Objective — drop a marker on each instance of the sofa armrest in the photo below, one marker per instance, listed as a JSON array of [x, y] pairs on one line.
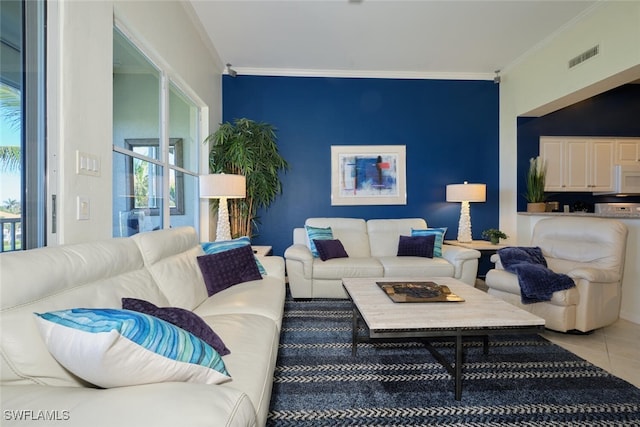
[[274, 265], [158, 405], [495, 258], [454, 253], [299, 261], [301, 254], [464, 261], [594, 275]]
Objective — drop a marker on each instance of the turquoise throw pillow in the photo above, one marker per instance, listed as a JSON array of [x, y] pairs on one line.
[[116, 348], [317, 233], [224, 245], [438, 232]]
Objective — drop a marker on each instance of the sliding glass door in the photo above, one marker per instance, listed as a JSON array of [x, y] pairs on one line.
[[22, 118]]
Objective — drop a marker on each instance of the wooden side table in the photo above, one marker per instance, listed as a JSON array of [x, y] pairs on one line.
[[486, 250]]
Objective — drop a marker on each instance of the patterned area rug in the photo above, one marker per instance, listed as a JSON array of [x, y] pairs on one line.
[[524, 380]]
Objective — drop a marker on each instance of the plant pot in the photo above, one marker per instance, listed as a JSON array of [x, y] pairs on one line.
[[494, 240], [536, 207]]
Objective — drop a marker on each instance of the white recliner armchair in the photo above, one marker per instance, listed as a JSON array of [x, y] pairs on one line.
[[589, 250]]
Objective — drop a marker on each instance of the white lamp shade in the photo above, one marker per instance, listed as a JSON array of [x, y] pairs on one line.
[[217, 185], [466, 192]]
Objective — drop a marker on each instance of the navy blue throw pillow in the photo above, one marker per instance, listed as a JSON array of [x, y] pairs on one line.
[[421, 246], [328, 249], [185, 319], [225, 269]]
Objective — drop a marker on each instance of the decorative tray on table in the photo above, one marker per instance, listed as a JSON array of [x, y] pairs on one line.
[[418, 292]]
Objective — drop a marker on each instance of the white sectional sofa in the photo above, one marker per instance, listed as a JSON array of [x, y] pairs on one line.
[[372, 248], [159, 267]]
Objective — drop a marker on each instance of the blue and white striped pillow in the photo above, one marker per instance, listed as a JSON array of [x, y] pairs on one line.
[[224, 245], [116, 348], [438, 232], [317, 233]]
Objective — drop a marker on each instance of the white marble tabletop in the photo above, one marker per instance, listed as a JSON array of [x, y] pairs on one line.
[[479, 310]]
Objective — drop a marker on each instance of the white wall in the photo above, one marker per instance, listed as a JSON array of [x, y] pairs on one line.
[[82, 87], [551, 84], [542, 82]]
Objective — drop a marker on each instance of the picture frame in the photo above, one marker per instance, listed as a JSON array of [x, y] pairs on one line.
[[368, 175]]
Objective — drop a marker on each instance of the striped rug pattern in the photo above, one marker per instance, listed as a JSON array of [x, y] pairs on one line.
[[524, 380]]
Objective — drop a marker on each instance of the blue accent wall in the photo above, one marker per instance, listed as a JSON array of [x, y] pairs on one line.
[[449, 128], [613, 113]]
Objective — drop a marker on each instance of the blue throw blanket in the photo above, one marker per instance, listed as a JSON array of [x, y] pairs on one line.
[[537, 282]]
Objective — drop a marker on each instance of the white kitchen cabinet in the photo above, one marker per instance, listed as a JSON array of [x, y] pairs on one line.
[[578, 164], [628, 151], [552, 151]]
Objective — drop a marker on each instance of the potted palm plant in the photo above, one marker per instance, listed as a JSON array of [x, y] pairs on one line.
[[535, 185], [248, 148]]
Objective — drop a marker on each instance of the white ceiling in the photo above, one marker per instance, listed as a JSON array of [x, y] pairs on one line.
[[381, 38]]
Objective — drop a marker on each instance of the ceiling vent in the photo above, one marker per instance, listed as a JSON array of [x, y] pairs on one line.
[[590, 53]]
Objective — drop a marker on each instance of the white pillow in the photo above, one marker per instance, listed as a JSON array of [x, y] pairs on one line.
[[116, 348]]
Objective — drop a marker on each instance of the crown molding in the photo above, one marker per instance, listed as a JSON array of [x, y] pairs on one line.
[[371, 74]]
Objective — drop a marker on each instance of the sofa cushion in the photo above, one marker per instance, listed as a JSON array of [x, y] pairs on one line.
[[395, 266], [185, 319], [421, 246], [225, 245], [317, 233], [117, 348], [384, 234], [263, 297], [170, 256], [329, 249], [352, 232], [507, 282], [254, 341], [438, 232], [589, 242], [225, 269], [338, 268]]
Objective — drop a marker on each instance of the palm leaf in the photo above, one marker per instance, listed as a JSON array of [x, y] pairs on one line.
[[248, 148]]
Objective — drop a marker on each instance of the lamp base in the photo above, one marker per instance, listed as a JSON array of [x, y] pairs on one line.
[[464, 225], [223, 228]]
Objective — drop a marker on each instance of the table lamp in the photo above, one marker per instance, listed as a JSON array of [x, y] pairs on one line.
[[466, 193], [223, 186]]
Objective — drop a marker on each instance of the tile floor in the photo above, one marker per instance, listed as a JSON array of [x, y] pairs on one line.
[[615, 348]]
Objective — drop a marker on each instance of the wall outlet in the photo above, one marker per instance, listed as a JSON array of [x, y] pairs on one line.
[[84, 208]]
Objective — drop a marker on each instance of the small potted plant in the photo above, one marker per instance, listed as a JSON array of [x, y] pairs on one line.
[[494, 235], [535, 185]]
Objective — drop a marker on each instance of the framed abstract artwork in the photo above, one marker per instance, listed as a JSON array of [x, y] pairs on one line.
[[368, 175]]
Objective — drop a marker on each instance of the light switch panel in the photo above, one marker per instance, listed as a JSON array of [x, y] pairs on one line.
[[87, 164]]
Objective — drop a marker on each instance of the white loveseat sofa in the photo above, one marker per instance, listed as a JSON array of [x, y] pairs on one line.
[[372, 248], [591, 251], [159, 267]]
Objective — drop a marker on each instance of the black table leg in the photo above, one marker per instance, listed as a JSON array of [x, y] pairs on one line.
[[458, 367], [354, 332]]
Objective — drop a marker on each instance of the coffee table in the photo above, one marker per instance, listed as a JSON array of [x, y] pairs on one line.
[[480, 315]]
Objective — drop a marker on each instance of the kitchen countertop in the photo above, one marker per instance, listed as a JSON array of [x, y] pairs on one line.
[[589, 214]]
